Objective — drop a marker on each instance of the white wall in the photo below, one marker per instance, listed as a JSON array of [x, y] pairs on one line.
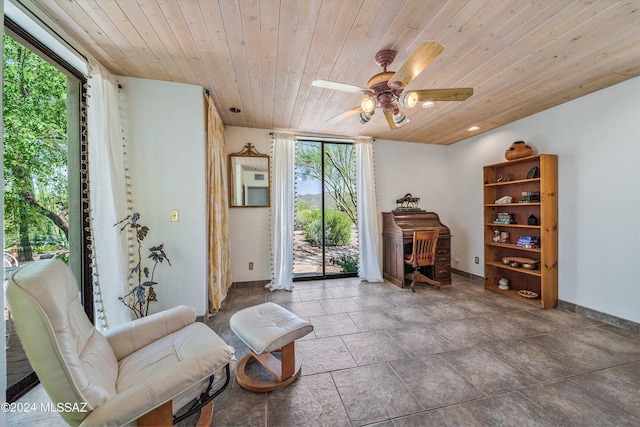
[[249, 228], [166, 156], [597, 140], [419, 169]]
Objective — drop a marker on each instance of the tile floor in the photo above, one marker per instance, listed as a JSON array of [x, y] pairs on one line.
[[459, 356]]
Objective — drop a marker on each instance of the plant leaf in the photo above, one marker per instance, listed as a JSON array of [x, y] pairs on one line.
[[134, 270], [140, 294], [152, 295], [142, 232]]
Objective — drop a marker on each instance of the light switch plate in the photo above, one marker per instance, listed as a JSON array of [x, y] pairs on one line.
[[175, 216]]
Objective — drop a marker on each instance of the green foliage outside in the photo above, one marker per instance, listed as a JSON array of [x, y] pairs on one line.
[[35, 151], [304, 216], [339, 173], [347, 262], [337, 227]]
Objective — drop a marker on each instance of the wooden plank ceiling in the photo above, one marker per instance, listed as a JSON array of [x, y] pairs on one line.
[[260, 56]]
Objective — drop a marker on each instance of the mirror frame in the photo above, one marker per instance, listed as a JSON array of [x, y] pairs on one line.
[[248, 151]]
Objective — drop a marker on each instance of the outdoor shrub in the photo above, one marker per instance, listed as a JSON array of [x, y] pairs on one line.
[[42, 248], [304, 217], [338, 229], [313, 232], [348, 262]]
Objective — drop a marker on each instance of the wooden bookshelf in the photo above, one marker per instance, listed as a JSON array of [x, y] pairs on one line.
[[510, 179]]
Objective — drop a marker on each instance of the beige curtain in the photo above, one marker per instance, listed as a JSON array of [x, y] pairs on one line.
[[219, 257]]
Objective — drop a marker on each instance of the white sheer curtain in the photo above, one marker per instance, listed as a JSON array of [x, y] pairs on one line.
[[282, 210], [368, 230], [108, 198]]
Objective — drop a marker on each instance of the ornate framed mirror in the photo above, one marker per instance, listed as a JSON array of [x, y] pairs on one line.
[[249, 180]]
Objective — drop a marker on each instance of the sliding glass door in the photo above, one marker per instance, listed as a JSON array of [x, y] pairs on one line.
[[43, 147], [326, 238]]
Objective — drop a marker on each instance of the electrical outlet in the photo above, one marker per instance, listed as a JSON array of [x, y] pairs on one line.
[[250, 266], [175, 216], [477, 260]]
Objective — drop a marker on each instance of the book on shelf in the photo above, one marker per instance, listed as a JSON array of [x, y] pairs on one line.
[[529, 197], [504, 218], [528, 242]]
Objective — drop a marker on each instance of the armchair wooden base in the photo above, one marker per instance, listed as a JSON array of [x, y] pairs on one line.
[[162, 416]]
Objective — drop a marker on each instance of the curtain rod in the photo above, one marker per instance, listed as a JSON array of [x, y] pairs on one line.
[[320, 138], [323, 139], [49, 28]]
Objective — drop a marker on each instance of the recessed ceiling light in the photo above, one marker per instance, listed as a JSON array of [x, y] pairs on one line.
[[234, 110], [428, 104], [473, 128]]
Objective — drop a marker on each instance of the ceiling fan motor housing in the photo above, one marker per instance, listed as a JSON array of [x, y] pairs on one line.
[[385, 95], [385, 57]]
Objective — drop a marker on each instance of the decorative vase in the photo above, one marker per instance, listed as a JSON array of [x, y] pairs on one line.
[[518, 150]]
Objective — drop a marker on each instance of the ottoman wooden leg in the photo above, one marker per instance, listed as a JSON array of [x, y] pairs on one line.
[[285, 370]]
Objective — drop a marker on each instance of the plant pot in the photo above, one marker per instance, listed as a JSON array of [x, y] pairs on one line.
[[517, 150]]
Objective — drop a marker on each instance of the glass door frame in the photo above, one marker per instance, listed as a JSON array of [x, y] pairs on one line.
[[79, 184], [303, 277]]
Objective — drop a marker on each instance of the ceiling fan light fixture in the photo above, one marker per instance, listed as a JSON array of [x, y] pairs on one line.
[[409, 99], [385, 90], [400, 119], [364, 117], [368, 105]]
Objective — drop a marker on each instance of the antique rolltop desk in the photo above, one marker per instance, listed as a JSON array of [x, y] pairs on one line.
[[397, 231]]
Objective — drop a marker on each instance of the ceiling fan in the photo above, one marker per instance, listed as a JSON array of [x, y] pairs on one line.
[[385, 90]]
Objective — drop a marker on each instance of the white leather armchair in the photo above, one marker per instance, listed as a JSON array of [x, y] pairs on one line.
[[141, 371]]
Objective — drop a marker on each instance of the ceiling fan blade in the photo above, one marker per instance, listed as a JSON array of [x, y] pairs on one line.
[[344, 115], [417, 62], [453, 94], [326, 84], [389, 115]]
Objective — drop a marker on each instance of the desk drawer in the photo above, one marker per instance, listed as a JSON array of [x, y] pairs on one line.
[[442, 271], [443, 259]]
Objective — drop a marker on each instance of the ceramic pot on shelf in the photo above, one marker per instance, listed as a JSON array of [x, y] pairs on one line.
[[518, 150]]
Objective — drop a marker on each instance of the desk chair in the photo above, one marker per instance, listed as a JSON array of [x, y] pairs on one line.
[[143, 371], [423, 255]]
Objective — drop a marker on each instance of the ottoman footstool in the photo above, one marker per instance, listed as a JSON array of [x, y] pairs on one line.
[[268, 328]]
